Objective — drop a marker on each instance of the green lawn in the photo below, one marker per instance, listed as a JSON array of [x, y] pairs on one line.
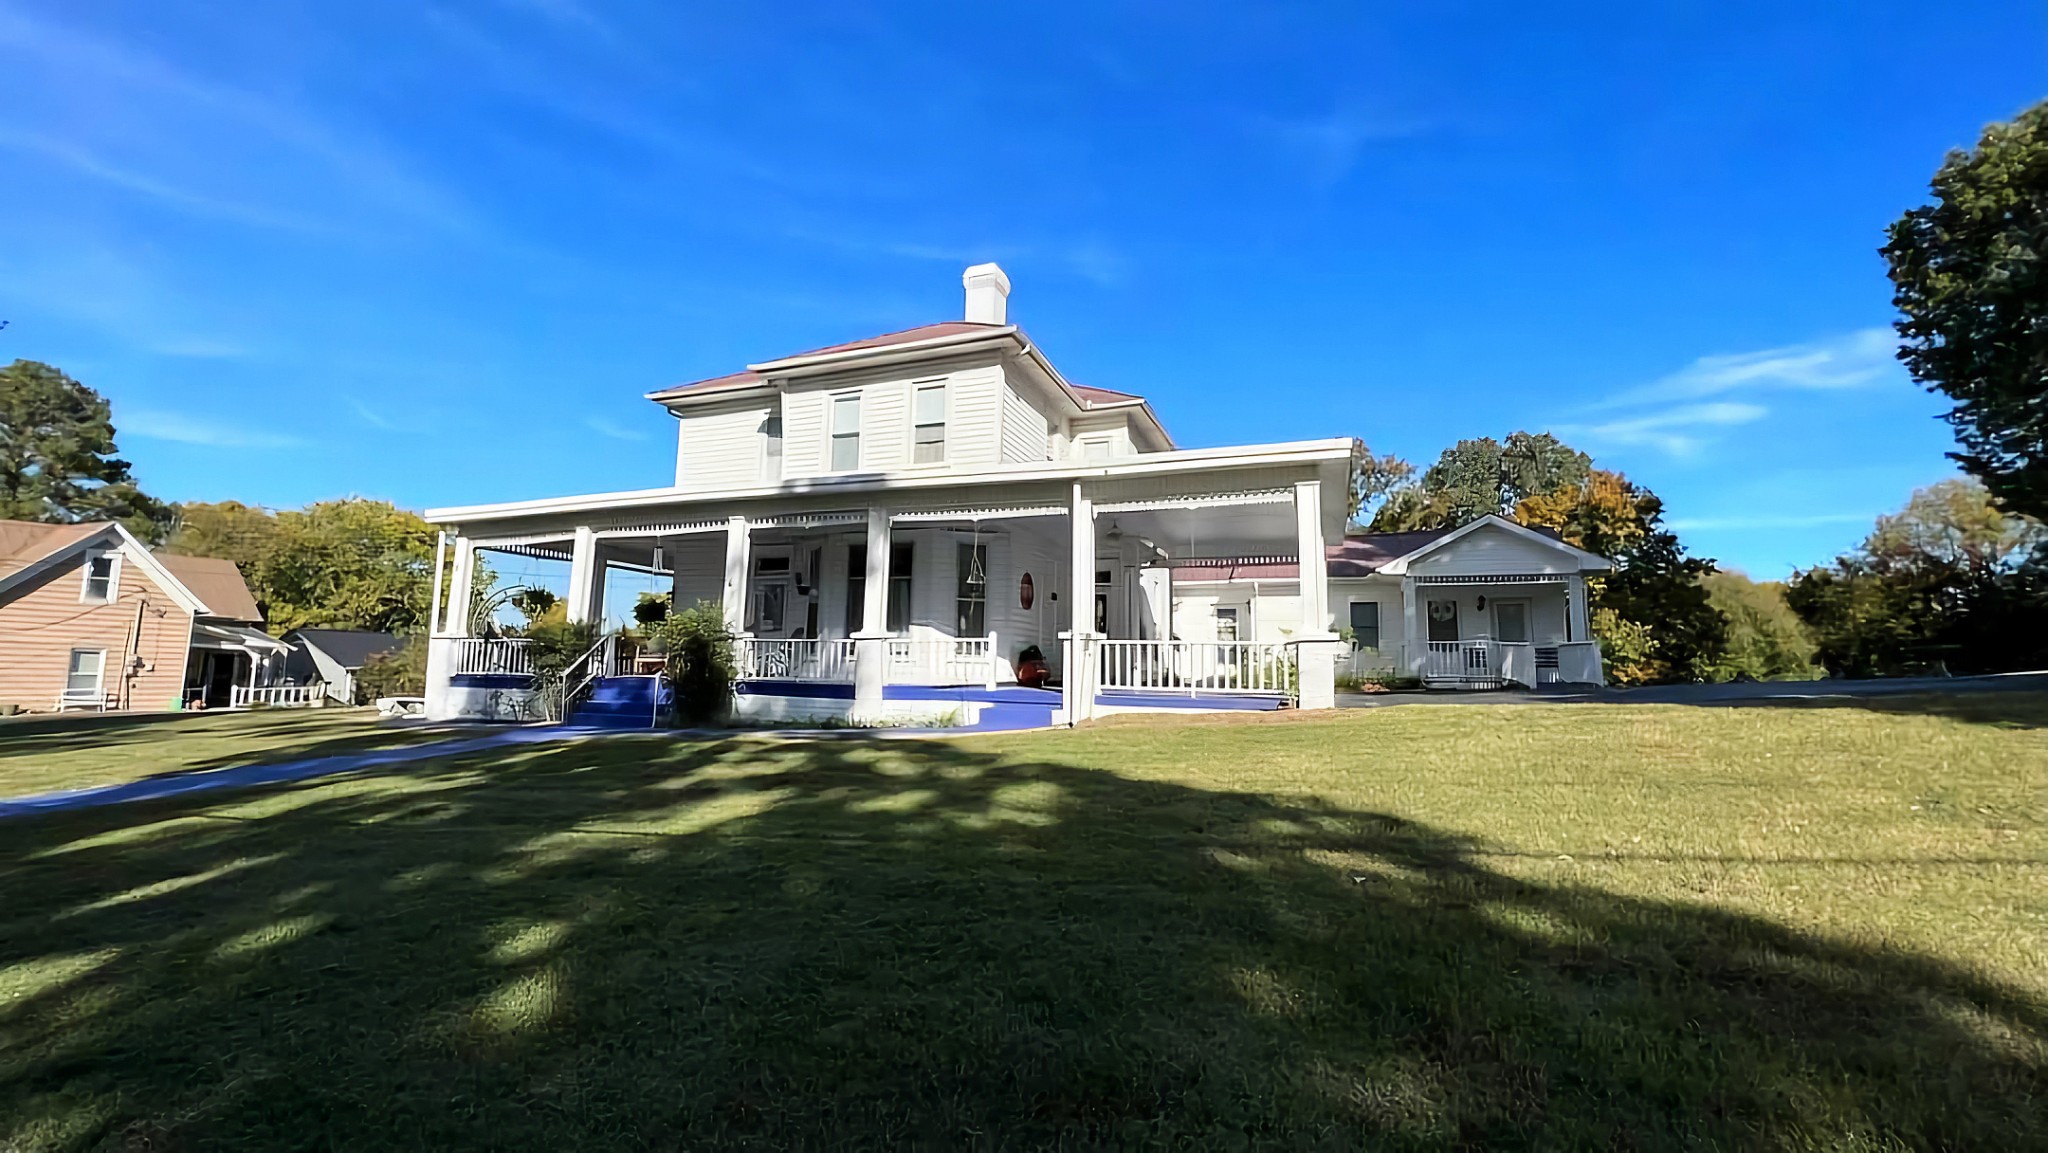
[[1568, 927], [40, 754]]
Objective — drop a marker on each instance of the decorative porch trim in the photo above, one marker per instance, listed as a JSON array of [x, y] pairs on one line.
[[809, 519], [669, 528], [1211, 500], [509, 543], [926, 516], [527, 550], [1230, 561], [1495, 579]]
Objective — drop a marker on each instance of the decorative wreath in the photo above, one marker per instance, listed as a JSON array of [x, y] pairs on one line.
[[1443, 610]]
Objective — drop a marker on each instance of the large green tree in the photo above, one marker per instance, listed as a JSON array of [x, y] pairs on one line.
[[1970, 274], [1655, 620], [1766, 639], [1950, 581], [351, 563], [58, 463], [1480, 476]]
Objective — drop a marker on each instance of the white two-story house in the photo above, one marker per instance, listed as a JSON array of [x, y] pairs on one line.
[[893, 525]]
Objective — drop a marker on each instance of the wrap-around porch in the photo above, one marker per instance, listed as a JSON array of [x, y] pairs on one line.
[[920, 603]]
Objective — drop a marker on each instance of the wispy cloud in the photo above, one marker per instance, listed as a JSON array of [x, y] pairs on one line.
[[1681, 414], [190, 428], [203, 130], [1858, 359], [1680, 431], [603, 427], [198, 348], [1331, 144]]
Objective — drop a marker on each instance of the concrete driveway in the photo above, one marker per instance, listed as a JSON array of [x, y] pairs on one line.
[[1712, 694]]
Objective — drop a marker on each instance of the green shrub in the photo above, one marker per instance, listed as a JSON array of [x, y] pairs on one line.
[[700, 662], [402, 672]]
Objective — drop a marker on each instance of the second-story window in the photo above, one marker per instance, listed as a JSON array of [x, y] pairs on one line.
[[928, 414], [101, 575], [771, 447], [846, 432]]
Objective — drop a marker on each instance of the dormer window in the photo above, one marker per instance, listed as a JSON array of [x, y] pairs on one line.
[[928, 414], [102, 577], [846, 432]]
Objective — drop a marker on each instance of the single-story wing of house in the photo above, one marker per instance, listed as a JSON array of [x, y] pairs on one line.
[[333, 657], [90, 618]]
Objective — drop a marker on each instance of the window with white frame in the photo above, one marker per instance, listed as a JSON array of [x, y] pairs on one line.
[[1095, 449], [928, 415], [771, 447], [86, 673], [102, 577], [1365, 624], [846, 432]]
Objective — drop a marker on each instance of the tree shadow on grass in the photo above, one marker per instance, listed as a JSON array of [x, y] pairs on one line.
[[644, 944]]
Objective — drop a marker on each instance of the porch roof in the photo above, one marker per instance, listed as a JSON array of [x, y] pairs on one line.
[[1326, 460], [211, 636]]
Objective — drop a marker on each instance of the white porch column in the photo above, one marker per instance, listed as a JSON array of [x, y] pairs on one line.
[[586, 577], [457, 622], [1578, 624], [434, 604], [1413, 652], [871, 643], [733, 595], [1077, 672], [1315, 645]]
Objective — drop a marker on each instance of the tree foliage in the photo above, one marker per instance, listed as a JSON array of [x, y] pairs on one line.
[[1673, 631], [1951, 581], [1373, 478], [1970, 274], [700, 660], [353, 563], [57, 455], [1766, 639], [1482, 476]]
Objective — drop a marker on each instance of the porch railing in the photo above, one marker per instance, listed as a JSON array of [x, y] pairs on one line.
[[278, 696], [482, 655], [1472, 662], [942, 661], [819, 659], [1197, 666]]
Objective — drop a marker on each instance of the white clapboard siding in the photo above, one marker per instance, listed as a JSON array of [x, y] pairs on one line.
[[1024, 435], [1493, 551], [699, 565], [720, 447]]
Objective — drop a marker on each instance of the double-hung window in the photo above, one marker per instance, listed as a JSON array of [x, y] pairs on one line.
[[102, 577], [928, 416], [972, 597], [82, 679], [846, 432], [900, 558], [1365, 624]]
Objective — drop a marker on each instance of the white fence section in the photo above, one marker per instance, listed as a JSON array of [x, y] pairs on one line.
[[805, 660], [279, 696], [1197, 666], [942, 661], [1471, 662], [479, 655]]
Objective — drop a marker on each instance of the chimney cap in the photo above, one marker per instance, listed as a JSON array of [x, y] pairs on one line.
[[991, 273]]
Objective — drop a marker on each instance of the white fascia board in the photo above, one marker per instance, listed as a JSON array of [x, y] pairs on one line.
[[1316, 452], [1588, 562]]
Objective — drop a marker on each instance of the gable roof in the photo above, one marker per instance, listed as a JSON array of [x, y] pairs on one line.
[[349, 648], [751, 376], [1367, 553], [217, 583], [23, 543]]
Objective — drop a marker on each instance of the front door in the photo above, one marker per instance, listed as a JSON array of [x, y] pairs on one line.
[[1443, 620], [1511, 622]]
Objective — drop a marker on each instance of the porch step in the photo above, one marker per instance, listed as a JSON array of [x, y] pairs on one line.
[[622, 703]]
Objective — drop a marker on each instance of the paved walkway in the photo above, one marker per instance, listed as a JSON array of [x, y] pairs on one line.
[[1717, 694]]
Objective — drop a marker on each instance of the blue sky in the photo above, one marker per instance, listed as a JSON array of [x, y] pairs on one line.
[[435, 253]]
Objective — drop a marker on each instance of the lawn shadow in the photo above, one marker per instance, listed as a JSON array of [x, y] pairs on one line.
[[2021, 708], [651, 944]]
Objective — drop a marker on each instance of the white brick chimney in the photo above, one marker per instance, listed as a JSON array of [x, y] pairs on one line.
[[988, 294]]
